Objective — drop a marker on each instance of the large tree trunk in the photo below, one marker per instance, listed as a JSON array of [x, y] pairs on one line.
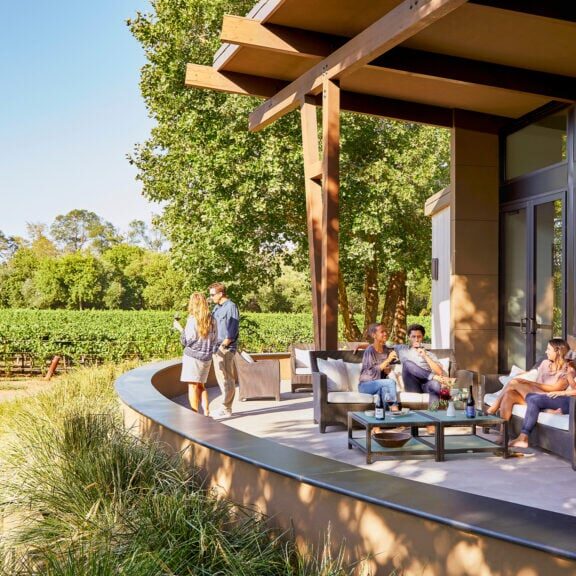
[[399, 326], [351, 331], [393, 290], [371, 299]]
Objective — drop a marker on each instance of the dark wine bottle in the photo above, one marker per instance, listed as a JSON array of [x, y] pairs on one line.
[[470, 407], [379, 408]]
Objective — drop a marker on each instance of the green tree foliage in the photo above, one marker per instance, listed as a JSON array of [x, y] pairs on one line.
[[8, 245], [124, 276], [80, 229], [290, 292], [235, 200], [16, 278], [139, 234], [232, 199]]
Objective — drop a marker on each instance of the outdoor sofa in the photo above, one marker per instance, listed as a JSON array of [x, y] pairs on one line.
[[331, 407], [555, 433]]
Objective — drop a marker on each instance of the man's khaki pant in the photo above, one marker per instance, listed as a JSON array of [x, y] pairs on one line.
[[223, 368]]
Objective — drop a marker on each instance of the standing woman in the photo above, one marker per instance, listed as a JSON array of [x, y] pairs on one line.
[[198, 339]]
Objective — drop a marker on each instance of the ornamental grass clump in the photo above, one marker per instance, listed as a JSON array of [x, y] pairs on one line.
[[86, 497]]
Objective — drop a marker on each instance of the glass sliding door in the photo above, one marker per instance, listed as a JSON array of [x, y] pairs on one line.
[[549, 273], [515, 294], [533, 278]]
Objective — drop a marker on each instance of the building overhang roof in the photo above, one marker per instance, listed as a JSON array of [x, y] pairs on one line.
[[502, 58]]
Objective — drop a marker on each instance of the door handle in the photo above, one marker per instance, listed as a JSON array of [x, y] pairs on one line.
[[523, 322]]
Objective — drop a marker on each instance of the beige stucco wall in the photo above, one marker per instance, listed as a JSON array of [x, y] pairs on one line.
[[474, 249]]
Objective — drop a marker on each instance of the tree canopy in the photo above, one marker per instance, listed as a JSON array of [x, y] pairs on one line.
[[235, 200], [81, 269]]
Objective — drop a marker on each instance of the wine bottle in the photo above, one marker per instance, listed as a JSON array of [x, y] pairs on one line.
[[470, 407], [379, 409]]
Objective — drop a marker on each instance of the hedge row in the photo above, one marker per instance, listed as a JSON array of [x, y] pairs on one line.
[[148, 335]]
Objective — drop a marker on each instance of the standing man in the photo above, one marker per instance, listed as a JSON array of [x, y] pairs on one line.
[[227, 320]]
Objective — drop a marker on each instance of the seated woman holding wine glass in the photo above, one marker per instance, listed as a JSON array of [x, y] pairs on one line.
[[376, 366], [551, 377], [558, 401]]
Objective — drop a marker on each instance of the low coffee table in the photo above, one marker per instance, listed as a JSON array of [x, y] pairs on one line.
[[414, 446], [439, 444], [470, 442]]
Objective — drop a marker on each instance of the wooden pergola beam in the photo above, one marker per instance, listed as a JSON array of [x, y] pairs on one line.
[[457, 70], [401, 23], [555, 9], [199, 76], [247, 32], [330, 214], [450, 69], [310, 152]]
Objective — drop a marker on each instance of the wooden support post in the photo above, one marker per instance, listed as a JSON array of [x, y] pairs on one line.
[[310, 145], [52, 369], [330, 220]]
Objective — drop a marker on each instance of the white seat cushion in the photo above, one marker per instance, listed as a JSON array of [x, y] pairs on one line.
[[560, 421], [304, 371], [349, 398], [302, 358], [413, 398]]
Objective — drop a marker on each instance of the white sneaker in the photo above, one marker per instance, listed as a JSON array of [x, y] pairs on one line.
[[222, 413]]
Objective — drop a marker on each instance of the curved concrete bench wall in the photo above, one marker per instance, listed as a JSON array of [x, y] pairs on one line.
[[404, 524]]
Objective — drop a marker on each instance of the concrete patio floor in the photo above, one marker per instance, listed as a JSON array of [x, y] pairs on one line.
[[533, 478]]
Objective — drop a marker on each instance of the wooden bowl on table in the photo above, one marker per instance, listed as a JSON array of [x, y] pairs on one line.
[[391, 438]]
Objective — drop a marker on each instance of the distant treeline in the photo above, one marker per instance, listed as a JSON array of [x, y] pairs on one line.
[[82, 262]]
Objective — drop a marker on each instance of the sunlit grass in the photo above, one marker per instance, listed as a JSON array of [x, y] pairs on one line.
[[85, 497]]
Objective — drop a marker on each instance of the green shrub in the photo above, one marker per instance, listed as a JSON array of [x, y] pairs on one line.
[[88, 498], [97, 336]]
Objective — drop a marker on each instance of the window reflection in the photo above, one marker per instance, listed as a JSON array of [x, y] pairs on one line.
[[539, 145]]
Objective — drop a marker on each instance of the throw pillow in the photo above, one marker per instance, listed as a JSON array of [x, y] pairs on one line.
[[353, 369], [514, 371], [302, 358], [247, 357], [445, 363], [336, 375]]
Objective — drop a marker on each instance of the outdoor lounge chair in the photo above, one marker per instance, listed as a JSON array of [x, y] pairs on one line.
[[257, 378]]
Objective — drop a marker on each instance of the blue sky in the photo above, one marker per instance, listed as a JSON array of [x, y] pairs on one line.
[[70, 111]]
